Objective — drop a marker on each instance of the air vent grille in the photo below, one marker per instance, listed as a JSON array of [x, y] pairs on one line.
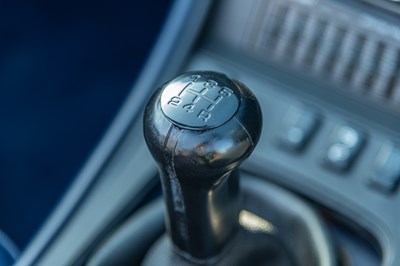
[[315, 39]]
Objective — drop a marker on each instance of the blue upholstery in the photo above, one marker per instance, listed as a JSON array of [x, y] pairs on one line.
[[65, 69]]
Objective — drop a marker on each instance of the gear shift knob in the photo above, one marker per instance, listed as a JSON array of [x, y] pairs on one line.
[[199, 127]]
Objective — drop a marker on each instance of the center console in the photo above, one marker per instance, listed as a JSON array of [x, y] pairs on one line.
[[326, 74]]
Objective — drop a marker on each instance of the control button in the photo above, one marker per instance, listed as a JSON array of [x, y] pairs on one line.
[[348, 136], [343, 146], [298, 126], [386, 172], [339, 153]]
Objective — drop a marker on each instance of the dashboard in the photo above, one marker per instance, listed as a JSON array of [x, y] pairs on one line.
[[327, 76]]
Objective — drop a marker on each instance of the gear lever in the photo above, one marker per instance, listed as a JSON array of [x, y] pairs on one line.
[[199, 127]]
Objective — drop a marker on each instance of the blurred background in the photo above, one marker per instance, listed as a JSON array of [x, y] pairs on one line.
[[65, 69]]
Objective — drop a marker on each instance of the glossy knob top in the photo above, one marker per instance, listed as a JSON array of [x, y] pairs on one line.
[[199, 127], [200, 101]]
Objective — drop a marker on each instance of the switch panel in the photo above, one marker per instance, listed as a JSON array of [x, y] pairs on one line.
[[343, 146], [386, 172], [298, 126]]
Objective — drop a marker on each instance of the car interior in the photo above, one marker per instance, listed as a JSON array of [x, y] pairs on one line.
[[282, 146]]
